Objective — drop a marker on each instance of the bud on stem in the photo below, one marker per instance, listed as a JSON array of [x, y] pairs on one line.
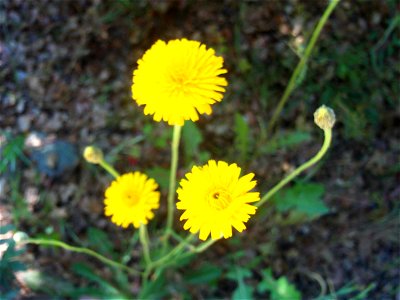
[[324, 117], [93, 155]]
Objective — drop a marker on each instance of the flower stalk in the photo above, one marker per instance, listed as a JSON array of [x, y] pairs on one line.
[[324, 117], [112, 263], [301, 65], [106, 166], [144, 240], [95, 156], [172, 181]]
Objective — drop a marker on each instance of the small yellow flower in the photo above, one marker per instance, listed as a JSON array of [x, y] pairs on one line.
[[130, 198], [178, 80], [215, 199]]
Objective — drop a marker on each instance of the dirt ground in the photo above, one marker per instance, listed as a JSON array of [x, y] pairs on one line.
[[66, 70]]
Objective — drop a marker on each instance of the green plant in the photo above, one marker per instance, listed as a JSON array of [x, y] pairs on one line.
[[229, 197], [192, 139], [303, 200], [279, 289], [243, 139], [9, 264], [11, 151]]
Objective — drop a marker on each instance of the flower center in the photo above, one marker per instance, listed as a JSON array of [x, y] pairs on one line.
[[131, 199], [180, 80], [219, 199]]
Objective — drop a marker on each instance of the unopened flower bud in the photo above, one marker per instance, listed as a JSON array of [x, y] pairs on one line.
[[93, 154], [20, 237], [324, 117]]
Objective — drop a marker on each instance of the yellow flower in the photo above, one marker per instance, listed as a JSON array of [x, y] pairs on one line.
[[178, 80], [215, 198], [130, 199]]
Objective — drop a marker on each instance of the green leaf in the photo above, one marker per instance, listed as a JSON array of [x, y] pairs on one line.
[[154, 289], [100, 241], [160, 175], [192, 138], [286, 140], [267, 283], [243, 290], [279, 289], [10, 152], [158, 137], [285, 290], [85, 271], [207, 273], [305, 198]]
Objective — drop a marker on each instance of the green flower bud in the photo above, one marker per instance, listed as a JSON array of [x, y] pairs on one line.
[[93, 155], [324, 117]]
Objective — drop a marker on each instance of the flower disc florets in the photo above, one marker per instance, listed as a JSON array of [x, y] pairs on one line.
[[178, 80], [215, 198], [130, 199]]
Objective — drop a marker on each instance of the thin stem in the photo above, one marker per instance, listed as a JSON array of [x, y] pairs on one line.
[[172, 181], [144, 240], [109, 168], [204, 246], [81, 250], [180, 239], [299, 69], [173, 252], [198, 249], [306, 165]]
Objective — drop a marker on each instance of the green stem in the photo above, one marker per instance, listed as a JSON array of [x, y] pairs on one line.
[[306, 165], [176, 236], [204, 246], [173, 252], [172, 181], [198, 249], [299, 69], [144, 239], [109, 168], [80, 250]]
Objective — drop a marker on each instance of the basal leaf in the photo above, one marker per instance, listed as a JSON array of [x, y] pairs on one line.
[[206, 274], [303, 197]]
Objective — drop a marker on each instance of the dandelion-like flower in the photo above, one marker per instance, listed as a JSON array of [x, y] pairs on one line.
[[178, 80], [215, 199], [130, 199]]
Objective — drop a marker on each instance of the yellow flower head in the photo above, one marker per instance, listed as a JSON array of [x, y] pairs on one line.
[[178, 80], [130, 199], [215, 198]]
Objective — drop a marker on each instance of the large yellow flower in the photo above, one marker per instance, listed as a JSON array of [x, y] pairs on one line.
[[215, 199], [178, 80], [130, 198]]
